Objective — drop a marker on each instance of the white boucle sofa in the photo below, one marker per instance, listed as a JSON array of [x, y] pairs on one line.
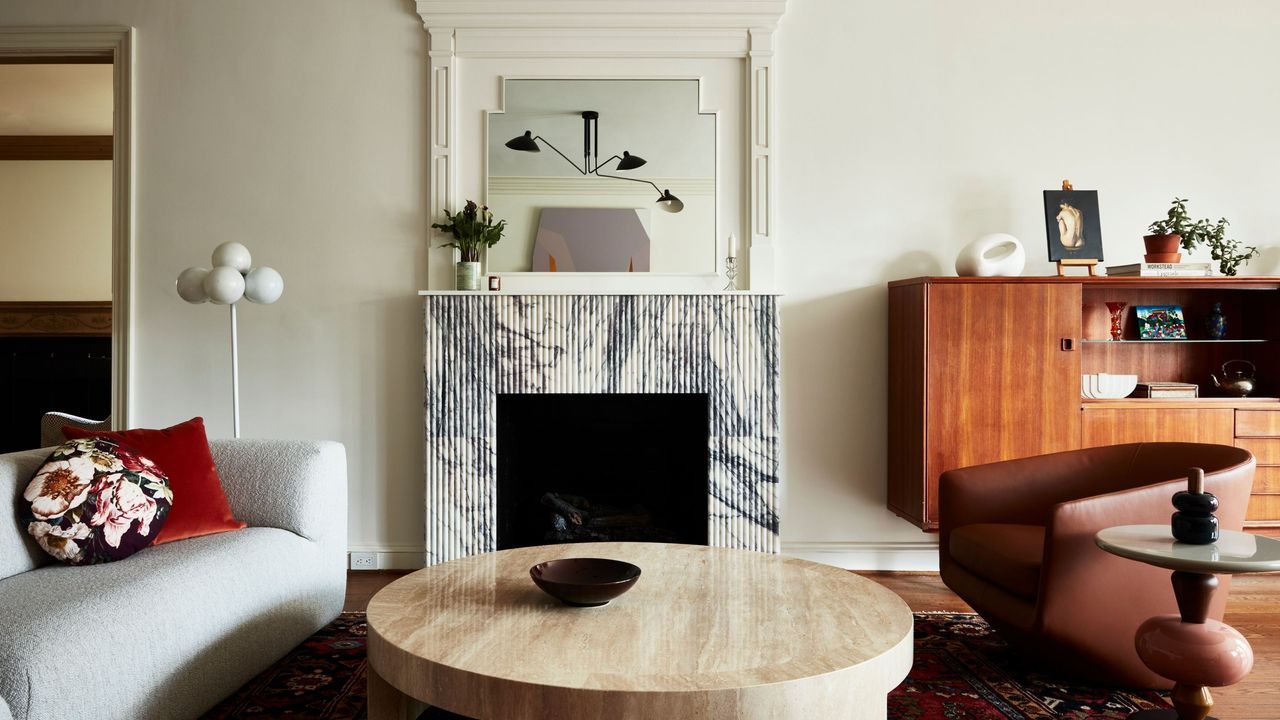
[[175, 628]]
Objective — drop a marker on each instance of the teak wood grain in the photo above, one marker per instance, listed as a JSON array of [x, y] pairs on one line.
[[1001, 382], [1263, 508], [962, 328], [1257, 423], [1266, 480], [705, 633], [907, 385], [1266, 450], [1107, 426]]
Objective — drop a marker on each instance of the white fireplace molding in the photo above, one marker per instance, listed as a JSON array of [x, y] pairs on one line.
[[478, 346], [492, 39]]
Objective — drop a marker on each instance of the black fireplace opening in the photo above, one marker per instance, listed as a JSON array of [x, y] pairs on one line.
[[602, 467]]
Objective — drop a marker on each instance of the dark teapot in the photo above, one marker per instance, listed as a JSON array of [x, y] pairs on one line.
[[1236, 383]]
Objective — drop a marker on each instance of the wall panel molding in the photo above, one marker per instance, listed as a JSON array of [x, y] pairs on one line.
[[70, 319]]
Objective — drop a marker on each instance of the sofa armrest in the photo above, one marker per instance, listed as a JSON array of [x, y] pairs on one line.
[[4, 710], [294, 485]]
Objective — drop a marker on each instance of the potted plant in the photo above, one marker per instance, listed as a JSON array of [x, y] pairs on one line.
[[1176, 228], [473, 231]]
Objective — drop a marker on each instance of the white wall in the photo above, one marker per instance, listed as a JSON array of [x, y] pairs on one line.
[[905, 130], [908, 129], [296, 127], [52, 99], [55, 230]]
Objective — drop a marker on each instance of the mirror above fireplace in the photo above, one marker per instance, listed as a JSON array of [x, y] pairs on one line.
[[479, 48], [604, 175]]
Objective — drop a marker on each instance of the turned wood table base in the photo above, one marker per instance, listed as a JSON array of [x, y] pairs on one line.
[[1193, 650], [1158, 648]]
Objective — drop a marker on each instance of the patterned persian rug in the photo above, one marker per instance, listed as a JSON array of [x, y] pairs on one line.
[[962, 671]]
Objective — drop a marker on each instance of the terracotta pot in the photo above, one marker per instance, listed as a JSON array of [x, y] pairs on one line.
[[1163, 258], [1162, 244]]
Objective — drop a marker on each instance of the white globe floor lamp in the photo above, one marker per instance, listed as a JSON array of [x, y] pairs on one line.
[[232, 277]]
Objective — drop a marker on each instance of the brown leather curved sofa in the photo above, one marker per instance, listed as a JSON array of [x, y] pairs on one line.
[[1016, 543]]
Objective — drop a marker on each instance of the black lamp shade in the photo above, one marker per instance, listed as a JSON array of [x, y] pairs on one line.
[[630, 162], [525, 143], [670, 203]]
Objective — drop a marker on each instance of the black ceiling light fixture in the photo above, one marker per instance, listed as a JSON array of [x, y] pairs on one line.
[[591, 164]]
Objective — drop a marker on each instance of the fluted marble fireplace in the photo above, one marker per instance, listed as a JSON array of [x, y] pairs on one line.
[[482, 345]]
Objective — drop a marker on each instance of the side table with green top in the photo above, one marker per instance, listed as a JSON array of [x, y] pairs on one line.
[[1194, 651]]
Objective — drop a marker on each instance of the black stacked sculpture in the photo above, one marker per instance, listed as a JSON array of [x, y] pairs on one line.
[[1195, 523]]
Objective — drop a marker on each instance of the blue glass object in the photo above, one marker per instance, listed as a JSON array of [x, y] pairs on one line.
[[1217, 323]]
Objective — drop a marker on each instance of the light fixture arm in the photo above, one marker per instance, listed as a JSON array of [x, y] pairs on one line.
[[566, 157], [597, 173]]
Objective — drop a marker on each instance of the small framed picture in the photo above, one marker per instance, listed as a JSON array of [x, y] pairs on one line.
[[1161, 322], [1074, 229]]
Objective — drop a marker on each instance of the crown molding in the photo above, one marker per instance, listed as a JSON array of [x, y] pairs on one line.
[[623, 14]]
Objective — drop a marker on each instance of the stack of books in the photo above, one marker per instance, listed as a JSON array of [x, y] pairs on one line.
[[1167, 390], [1195, 269]]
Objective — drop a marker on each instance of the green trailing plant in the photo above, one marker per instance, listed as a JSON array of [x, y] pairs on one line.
[[1231, 254], [473, 230]]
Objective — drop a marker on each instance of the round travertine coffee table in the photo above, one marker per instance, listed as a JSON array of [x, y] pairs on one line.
[[1193, 650], [706, 633]]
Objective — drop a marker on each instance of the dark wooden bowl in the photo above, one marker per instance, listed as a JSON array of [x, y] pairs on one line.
[[584, 582]]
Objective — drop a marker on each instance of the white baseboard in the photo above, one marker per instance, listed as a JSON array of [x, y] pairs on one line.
[[393, 557], [890, 556]]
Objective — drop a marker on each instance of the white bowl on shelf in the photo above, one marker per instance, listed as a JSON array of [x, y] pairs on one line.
[[1103, 386]]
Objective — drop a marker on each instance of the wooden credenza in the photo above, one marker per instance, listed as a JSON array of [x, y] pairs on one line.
[[988, 369]]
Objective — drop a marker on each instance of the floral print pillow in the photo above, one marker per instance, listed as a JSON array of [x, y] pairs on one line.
[[95, 501]]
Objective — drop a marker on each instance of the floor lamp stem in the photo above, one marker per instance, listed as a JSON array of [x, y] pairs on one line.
[[235, 376]]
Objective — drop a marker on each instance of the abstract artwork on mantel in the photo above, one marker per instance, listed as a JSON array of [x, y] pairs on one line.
[[591, 240]]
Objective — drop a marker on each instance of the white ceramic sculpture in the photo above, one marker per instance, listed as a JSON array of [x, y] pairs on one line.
[[995, 255], [1102, 386]]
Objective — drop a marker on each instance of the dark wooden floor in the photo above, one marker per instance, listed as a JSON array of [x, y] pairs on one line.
[[1253, 608]]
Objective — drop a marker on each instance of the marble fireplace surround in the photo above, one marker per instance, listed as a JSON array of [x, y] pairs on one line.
[[480, 345]]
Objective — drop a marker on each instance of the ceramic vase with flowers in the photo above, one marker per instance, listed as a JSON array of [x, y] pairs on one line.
[[473, 231]]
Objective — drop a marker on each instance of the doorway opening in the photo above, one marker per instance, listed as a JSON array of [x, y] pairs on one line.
[[65, 188]]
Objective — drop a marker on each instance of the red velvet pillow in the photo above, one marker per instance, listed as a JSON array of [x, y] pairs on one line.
[[182, 452]]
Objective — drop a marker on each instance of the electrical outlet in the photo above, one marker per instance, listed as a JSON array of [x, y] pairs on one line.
[[364, 561]]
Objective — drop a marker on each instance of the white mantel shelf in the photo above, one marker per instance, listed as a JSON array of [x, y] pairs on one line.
[[618, 293]]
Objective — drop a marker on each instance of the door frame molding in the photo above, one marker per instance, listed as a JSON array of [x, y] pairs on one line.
[[117, 44]]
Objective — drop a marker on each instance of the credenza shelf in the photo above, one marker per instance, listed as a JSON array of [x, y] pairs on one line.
[[989, 369], [1170, 342]]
